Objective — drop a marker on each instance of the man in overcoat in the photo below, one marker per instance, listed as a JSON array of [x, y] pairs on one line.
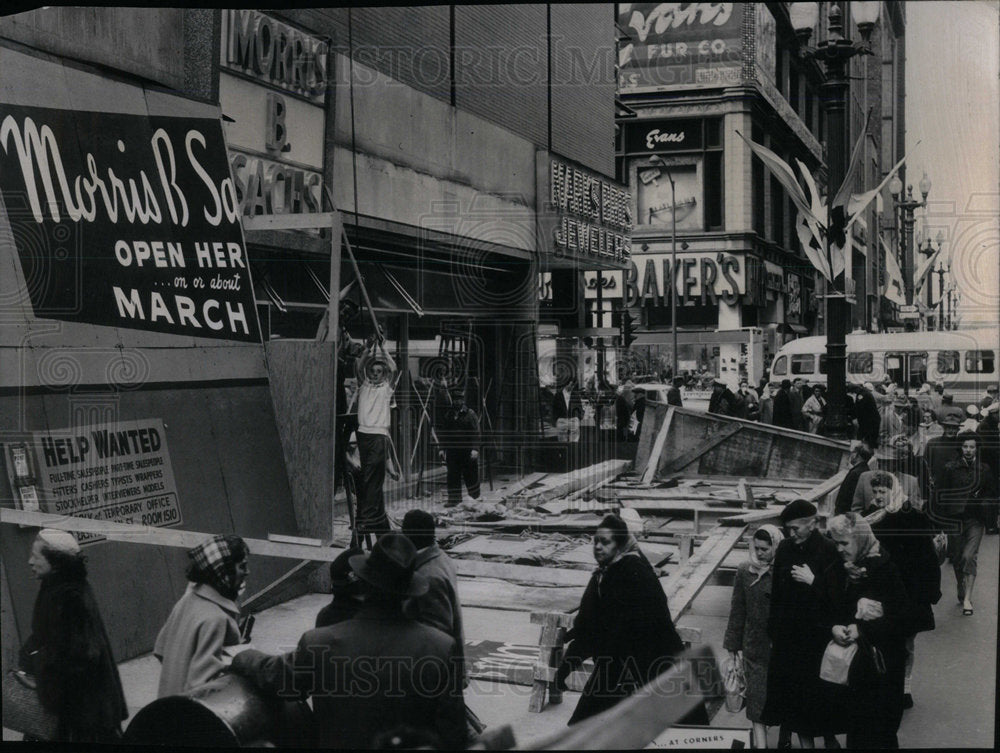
[[378, 672], [797, 644]]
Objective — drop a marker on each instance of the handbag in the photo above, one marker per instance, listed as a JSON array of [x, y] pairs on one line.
[[836, 664], [22, 708], [735, 687], [941, 547]]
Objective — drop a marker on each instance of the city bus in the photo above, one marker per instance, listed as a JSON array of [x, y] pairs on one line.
[[965, 361]]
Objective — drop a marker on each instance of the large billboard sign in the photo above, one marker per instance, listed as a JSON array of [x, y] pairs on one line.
[[679, 44], [127, 220]]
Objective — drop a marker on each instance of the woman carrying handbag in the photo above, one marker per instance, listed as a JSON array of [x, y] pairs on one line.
[[68, 656]]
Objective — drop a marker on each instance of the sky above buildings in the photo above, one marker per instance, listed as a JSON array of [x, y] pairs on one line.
[[953, 108]]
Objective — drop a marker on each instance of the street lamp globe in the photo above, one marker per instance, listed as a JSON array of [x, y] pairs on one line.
[[895, 186], [865, 15], [804, 17], [925, 186]]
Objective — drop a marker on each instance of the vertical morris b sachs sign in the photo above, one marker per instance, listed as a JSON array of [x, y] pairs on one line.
[[127, 220]]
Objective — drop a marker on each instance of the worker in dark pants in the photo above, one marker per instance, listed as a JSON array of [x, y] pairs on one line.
[[377, 375], [458, 435]]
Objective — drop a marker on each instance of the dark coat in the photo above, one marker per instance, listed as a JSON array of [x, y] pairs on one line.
[[746, 631], [797, 400], [872, 707], [782, 414], [440, 606], [70, 655], [339, 609], [937, 454], [869, 419], [968, 492], [625, 627], [908, 537], [725, 403], [623, 415], [797, 641], [674, 397], [458, 430], [369, 674], [845, 495], [561, 410]]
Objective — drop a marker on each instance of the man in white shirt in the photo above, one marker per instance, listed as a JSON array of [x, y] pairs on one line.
[[377, 381]]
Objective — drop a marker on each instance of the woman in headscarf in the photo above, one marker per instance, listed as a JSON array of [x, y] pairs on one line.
[[623, 624], [747, 629], [204, 620], [68, 652], [907, 535], [864, 603]]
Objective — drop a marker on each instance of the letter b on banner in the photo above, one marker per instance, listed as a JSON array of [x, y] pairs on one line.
[[277, 132]]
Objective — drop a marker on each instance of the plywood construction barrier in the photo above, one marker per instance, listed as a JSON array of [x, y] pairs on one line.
[[679, 440]]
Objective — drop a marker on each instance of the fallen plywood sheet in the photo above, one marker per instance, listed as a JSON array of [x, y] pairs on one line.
[[736, 447], [684, 585], [492, 593], [562, 484], [546, 576]]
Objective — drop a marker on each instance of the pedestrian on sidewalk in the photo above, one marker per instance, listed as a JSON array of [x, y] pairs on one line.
[[864, 603], [814, 409], [458, 434], [969, 498], [941, 450], [377, 375], [896, 458], [858, 463], [204, 620], [794, 699], [746, 633], [377, 672], [906, 533], [623, 624], [723, 402], [567, 410], [798, 395], [783, 411], [346, 590], [867, 414], [68, 652], [440, 607]]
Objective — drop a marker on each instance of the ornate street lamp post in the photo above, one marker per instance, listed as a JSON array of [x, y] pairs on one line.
[[928, 249], [904, 209], [834, 52], [942, 269]]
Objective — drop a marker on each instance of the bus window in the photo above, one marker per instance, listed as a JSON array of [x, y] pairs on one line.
[[822, 363], [803, 363], [779, 367], [917, 368], [947, 362], [894, 367], [861, 363], [979, 361]]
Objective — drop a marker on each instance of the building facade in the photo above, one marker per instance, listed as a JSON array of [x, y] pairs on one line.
[[695, 81], [187, 283]]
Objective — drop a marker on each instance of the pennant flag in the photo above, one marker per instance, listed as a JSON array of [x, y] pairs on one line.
[[894, 288], [858, 202], [923, 271], [781, 170], [841, 198], [812, 244]]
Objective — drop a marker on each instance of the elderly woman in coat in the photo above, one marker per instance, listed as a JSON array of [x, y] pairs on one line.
[[623, 625], [747, 628], [204, 620], [907, 534], [68, 651], [864, 603]]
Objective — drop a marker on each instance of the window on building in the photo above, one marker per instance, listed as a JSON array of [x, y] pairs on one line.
[[947, 362], [809, 108], [779, 65], [713, 191], [979, 361], [860, 363], [793, 88], [780, 366], [777, 212], [822, 363], [803, 363]]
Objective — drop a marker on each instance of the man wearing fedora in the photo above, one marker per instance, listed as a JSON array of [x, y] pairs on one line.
[[940, 451], [376, 383], [378, 671], [458, 435]]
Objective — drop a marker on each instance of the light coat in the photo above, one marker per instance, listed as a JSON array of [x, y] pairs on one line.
[[190, 643]]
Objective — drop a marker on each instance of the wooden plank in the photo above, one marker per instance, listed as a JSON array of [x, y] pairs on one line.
[[679, 505], [684, 460], [137, 534], [684, 585], [654, 454], [564, 483], [519, 486], [283, 539], [780, 431], [491, 593], [639, 719], [289, 221], [550, 576]]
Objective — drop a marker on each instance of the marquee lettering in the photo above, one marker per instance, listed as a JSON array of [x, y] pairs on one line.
[[675, 15]]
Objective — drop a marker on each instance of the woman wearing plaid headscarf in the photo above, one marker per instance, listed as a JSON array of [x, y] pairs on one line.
[[203, 622]]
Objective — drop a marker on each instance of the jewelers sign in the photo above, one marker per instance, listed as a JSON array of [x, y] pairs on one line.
[[583, 218], [128, 220], [116, 471]]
